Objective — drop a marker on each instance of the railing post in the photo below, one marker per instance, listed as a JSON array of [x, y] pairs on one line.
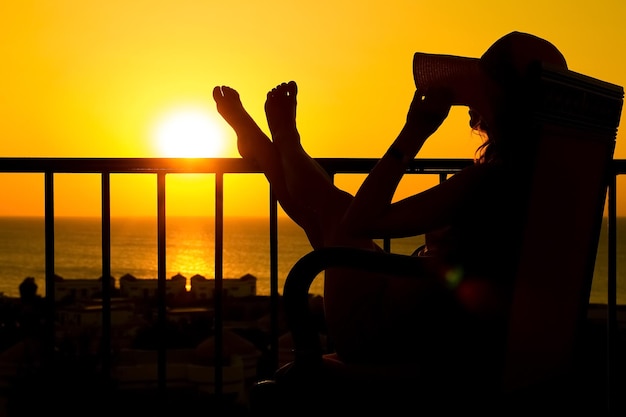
[[218, 296], [161, 290], [611, 302], [106, 276], [274, 294], [49, 262]]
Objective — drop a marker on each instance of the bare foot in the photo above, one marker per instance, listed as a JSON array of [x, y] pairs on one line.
[[280, 109], [249, 134]]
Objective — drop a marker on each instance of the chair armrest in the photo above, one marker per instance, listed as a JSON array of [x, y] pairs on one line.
[[300, 320]]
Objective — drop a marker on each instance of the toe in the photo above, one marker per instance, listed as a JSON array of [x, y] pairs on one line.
[[293, 87], [217, 93]]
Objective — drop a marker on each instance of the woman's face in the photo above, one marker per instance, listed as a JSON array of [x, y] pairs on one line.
[[477, 121], [485, 105], [475, 118], [481, 104]]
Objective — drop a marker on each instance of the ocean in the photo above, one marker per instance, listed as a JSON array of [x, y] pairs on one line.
[[190, 250]]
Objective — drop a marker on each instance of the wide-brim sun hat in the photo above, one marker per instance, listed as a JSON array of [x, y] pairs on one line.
[[505, 62]]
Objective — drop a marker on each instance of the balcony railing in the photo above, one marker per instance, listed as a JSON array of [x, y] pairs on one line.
[[221, 167]]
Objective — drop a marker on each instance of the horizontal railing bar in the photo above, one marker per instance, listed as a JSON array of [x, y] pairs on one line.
[[205, 165], [221, 165], [126, 165]]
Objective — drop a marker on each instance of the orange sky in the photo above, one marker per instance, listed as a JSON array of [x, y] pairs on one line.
[[94, 79]]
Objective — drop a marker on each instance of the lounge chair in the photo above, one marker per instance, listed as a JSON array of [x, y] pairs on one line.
[[576, 119]]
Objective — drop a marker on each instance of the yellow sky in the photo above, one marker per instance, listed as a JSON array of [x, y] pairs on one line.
[[94, 78]]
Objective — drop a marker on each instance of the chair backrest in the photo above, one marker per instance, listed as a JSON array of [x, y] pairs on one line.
[[577, 119]]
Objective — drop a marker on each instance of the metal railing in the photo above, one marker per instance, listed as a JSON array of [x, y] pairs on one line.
[[221, 167]]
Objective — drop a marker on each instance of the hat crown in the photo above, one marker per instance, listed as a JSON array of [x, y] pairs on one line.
[[515, 52]]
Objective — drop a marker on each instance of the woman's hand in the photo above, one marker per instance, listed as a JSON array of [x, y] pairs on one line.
[[428, 111]]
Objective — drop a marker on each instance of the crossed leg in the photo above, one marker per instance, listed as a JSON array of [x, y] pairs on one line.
[[253, 144], [355, 301], [305, 179], [303, 188]]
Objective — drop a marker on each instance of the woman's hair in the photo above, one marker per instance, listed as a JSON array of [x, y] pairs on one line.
[[484, 153], [506, 139]]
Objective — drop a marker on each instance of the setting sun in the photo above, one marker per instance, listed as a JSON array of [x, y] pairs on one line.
[[188, 132]]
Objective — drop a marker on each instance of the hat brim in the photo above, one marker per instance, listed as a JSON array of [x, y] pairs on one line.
[[460, 76]]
